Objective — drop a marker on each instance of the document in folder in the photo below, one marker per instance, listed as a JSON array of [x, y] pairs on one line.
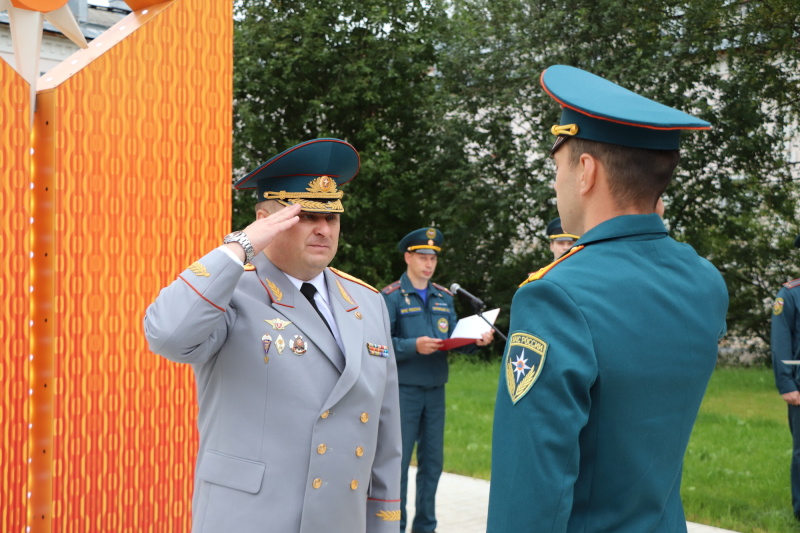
[[469, 329]]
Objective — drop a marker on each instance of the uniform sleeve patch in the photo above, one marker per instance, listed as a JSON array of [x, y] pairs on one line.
[[524, 360], [777, 307]]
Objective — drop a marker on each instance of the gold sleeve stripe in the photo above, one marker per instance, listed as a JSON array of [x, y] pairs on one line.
[[389, 516]]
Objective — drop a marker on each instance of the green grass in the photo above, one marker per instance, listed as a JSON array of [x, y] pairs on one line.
[[736, 472]]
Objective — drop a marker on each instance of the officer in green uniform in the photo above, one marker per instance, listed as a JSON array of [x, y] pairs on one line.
[[785, 346], [421, 314], [560, 241], [611, 347]]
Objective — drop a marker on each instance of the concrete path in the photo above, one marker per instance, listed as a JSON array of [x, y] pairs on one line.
[[462, 502]]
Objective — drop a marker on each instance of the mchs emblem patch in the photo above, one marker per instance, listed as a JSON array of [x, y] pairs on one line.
[[524, 360]]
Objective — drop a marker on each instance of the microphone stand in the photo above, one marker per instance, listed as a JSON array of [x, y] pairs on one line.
[[480, 314]]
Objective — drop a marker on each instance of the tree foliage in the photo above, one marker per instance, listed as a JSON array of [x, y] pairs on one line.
[[442, 100]]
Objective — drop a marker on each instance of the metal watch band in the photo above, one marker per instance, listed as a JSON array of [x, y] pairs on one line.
[[241, 238]]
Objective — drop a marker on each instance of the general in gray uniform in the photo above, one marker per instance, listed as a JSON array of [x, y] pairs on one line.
[[296, 377]]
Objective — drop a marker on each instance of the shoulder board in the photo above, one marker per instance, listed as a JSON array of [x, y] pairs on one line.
[[539, 274], [445, 289], [792, 284], [249, 268], [390, 288], [353, 279]]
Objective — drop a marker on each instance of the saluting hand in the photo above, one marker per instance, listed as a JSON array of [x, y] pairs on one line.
[[265, 228]]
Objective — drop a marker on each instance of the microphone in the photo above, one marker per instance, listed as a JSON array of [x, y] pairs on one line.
[[455, 288]]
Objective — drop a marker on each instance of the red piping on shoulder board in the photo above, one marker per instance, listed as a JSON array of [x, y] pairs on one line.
[[792, 284], [390, 288]]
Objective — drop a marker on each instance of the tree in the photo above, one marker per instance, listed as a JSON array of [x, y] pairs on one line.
[[735, 64], [358, 70], [443, 102]]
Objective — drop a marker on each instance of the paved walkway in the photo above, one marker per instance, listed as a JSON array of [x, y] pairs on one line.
[[461, 505]]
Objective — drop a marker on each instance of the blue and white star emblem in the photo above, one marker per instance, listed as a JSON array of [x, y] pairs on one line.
[[520, 365], [524, 367]]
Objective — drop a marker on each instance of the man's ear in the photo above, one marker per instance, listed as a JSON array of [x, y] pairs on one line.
[[590, 168]]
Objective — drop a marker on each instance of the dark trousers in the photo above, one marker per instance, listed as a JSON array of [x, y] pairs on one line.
[[422, 412], [794, 426]]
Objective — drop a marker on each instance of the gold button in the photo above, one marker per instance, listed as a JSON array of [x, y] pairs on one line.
[[325, 414], [317, 483], [359, 451], [354, 484], [364, 418], [359, 315], [321, 449]]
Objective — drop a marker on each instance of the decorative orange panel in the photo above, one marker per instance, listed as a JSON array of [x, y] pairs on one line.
[[15, 213], [141, 177]]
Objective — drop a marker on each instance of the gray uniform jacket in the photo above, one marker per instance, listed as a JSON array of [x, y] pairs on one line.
[[289, 441]]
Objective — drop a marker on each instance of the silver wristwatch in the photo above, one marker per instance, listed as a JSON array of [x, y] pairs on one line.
[[244, 242]]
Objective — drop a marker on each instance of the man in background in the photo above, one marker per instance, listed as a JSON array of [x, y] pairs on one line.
[[785, 346], [560, 241], [422, 314]]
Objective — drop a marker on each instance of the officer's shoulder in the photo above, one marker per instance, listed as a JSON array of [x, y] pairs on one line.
[[795, 283], [390, 288], [441, 288], [542, 272], [348, 277]]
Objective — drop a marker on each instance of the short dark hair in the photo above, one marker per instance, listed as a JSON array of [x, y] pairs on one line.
[[637, 176]]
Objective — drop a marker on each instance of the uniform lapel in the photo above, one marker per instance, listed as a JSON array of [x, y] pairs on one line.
[[351, 330], [288, 301]]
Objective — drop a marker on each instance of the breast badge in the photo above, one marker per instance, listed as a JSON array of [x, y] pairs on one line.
[[777, 307], [280, 344], [266, 341], [278, 323], [378, 350], [524, 360], [443, 324], [297, 345]]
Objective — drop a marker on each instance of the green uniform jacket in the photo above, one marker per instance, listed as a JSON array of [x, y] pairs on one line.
[[409, 318], [785, 336], [608, 358]]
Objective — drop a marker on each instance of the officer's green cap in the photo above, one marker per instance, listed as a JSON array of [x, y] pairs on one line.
[[556, 233], [422, 241], [307, 174], [596, 109]]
